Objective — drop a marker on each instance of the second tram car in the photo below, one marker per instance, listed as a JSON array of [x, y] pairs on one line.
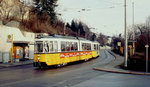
[[52, 50]]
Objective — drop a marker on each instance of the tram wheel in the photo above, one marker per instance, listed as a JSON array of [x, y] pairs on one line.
[[86, 59], [59, 65], [64, 64]]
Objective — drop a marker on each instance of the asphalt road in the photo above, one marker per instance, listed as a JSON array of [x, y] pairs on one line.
[[78, 74], [72, 74]]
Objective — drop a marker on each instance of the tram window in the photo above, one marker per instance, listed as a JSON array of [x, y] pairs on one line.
[[89, 46], [68, 46], [83, 46], [46, 46], [94, 46], [35, 48], [63, 46], [72, 46], [97, 47], [51, 46], [75, 46], [86, 46], [39, 47], [55, 46]]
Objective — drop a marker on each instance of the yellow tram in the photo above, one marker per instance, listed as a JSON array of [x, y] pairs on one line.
[[60, 50]]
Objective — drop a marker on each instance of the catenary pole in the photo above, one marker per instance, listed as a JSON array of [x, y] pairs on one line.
[[125, 31], [133, 27]]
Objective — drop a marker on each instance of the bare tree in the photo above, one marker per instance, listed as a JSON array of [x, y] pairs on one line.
[[141, 36], [102, 39], [22, 10], [5, 11], [13, 10]]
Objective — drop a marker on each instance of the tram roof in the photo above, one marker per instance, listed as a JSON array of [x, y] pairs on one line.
[[56, 36], [63, 37]]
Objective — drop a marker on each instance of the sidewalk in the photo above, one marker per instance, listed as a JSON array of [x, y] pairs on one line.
[[115, 66], [20, 63]]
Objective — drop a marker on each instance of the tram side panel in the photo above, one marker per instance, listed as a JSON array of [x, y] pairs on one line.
[[85, 50], [80, 51], [94, 54], [62, 55], [96, 49], [69, 50]]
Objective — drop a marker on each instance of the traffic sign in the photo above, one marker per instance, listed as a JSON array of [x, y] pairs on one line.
[[9, 38]]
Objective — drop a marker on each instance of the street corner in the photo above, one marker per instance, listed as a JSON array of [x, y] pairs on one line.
[[120, 70]]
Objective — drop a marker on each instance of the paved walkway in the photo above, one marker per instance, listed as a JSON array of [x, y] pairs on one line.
[[115, 66], [21, 63]]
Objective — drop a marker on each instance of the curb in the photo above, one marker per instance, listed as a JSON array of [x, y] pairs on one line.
[[122, 72], [13, 65], [114, 69]]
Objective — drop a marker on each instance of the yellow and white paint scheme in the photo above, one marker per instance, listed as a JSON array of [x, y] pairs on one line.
[[52, 50]]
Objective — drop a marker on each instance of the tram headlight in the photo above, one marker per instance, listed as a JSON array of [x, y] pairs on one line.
[[38, 55], [38, 58]]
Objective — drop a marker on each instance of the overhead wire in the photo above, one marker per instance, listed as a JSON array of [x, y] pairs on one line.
[[114, 5]]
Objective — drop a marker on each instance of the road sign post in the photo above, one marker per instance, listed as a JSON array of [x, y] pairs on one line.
[[10, 39], [146, 46]]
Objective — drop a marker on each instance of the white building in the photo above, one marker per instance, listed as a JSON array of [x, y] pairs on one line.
[[24, 40], [109, 40]]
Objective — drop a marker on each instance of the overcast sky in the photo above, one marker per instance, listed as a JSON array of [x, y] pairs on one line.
[[106, 16]]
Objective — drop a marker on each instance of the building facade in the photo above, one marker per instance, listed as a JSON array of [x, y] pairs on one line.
[[15, 45]]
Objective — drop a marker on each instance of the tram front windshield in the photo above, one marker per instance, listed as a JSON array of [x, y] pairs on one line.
[[39, 47]]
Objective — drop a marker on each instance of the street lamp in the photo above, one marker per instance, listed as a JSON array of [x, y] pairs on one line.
[[147, 46]]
